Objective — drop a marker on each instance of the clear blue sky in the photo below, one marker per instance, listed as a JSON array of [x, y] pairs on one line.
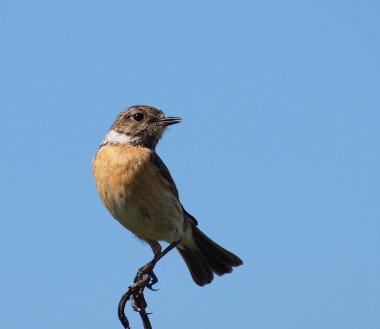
[[277, 157]]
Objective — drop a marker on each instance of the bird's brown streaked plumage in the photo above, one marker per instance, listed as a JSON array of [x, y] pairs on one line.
[[139, 191]]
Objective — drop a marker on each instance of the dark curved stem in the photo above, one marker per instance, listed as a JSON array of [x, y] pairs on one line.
[[120, 310], [145, 277]]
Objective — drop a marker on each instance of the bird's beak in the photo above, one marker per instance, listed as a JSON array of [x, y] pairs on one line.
[[167, 121]]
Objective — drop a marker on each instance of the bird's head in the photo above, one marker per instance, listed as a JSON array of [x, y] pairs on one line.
[[139, 125]]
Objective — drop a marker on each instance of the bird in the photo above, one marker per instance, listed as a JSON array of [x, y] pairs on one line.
[[138, 190]]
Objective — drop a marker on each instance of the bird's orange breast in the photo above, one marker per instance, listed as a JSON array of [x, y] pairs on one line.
[[116, 166], [134, 191]]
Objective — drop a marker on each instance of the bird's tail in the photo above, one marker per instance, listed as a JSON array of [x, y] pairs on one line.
[[207, 258]]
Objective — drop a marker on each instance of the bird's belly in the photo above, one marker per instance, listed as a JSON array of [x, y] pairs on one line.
[[149, 217], [138, 197]]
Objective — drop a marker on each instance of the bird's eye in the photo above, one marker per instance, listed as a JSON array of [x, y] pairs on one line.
[[138, 116]]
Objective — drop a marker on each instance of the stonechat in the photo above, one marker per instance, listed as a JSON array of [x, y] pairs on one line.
[[138, 190]]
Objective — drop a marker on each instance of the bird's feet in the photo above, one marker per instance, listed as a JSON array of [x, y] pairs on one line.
[[145, 278]]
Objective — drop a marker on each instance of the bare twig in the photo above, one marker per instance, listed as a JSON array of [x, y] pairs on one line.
[[145, 278], [136, 291]]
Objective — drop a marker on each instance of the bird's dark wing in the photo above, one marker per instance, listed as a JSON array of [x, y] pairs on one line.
[[164, 171], [195, 222]]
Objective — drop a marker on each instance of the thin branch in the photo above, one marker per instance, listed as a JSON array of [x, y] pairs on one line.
[[136, 291], [145, 278]]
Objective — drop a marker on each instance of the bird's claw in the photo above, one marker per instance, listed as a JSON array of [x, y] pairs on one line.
[[150, 287]]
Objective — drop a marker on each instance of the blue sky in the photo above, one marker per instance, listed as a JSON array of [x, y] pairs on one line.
[[277, 157]]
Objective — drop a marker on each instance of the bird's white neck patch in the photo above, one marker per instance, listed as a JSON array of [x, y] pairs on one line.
[[114, 137]]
